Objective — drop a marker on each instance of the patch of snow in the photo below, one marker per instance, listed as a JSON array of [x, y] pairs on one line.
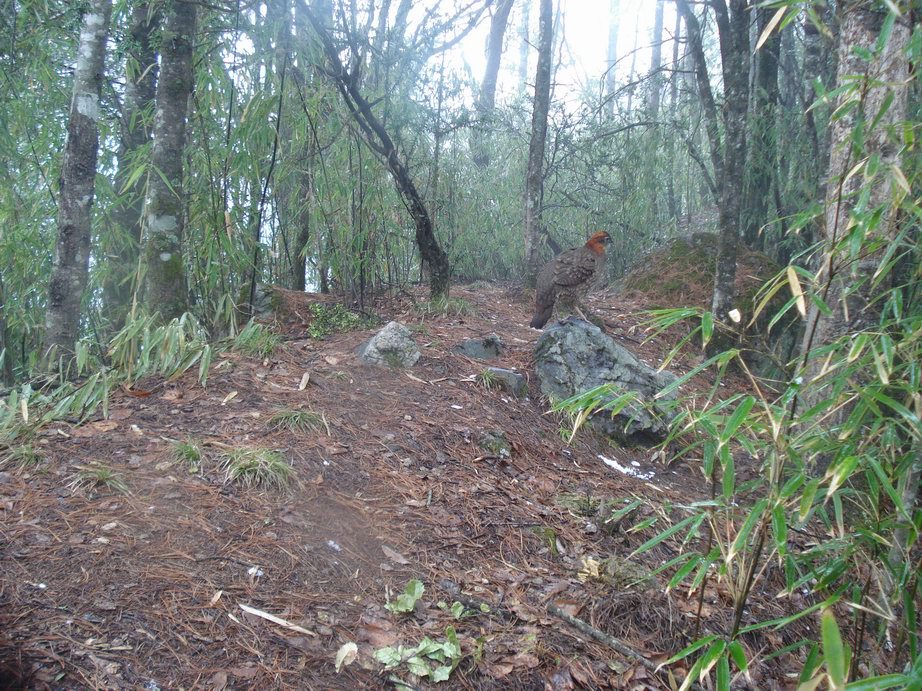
[[627, 471]]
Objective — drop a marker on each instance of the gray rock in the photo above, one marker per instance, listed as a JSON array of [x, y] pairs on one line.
[[574, 356], [484, 348], [495, 443], [510, 381], [392, 346]]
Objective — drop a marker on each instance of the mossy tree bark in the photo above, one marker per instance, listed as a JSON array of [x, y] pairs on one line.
[[762, 135], [165, 283], [875, 106], [78, 188], [124, 241]]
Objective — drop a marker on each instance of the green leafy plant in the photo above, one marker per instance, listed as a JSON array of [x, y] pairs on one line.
[[430, 659], [406, 601], [144, 347], [330, 319], [258, 468], [459, 611]]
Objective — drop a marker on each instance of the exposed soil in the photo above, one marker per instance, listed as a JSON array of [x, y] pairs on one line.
[[144, 588]]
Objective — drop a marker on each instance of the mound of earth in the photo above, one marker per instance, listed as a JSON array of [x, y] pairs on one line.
[[681, 274]]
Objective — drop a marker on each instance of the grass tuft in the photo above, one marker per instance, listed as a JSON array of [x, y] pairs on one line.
[[488, 379], [446, 307], [298, 421], [98, 475], [189, 453], [257, 340], [22, 457], [258, 468]]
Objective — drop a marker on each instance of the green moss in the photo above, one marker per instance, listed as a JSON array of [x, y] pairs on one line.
[[330, 319]]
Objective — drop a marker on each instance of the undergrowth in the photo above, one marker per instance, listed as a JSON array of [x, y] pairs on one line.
[[330, 319], [258, 468]]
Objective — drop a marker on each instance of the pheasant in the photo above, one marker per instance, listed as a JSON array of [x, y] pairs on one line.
[[568, 277]]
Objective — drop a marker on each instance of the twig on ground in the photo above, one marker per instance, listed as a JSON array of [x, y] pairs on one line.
[[602, 637]]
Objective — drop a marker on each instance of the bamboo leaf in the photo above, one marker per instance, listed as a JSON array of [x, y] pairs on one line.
[[772, 23], [692, 522], [797, 291], [743, 536], [833, 650]]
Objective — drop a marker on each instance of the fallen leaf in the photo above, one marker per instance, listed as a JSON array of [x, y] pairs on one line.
[[305, 380], [120, 414], [560, 680], [244, 672], [219, 681], [569, 607], [229, 397], [377, 632], [394, 556], [346, 655], [526, 660], [522, 612], [498, 670], [330, 360]]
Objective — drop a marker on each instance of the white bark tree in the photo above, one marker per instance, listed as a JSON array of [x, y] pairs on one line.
[[78, 187]]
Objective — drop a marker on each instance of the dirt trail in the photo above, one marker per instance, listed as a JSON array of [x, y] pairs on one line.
[[101, 589]]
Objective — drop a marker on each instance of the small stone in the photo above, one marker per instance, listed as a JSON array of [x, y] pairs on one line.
[[485, 348], [391, 346], [510, 381], [494, 442]]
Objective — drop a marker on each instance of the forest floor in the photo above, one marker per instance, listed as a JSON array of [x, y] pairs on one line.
[[146, 587]]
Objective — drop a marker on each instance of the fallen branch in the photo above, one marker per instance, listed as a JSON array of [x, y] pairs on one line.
[[275, 620], [602, 637]]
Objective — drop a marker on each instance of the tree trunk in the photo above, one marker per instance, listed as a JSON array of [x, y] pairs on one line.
[[762, 136], [125, 238], [310, 52], [534, 176], [165, 282], [703, 82], [487, 99], [733, 28], [656, 61], [611, 84], [379, 141], [524, 45], [843, 280], [6, 350], [674, 206], [78, 187]]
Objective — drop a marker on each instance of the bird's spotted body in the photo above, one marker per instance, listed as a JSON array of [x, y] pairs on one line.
[[567, 278]]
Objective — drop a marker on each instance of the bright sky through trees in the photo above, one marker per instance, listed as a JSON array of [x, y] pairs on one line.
[[583, 57]]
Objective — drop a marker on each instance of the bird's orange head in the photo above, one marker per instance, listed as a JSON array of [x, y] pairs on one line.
[[598, 242]]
